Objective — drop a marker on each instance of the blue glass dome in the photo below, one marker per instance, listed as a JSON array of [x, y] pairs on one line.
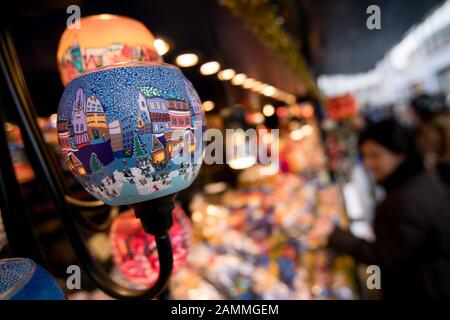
[[22, 279], [131, 132]]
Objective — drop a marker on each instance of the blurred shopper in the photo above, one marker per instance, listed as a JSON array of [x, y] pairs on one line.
[[434, 133], [411, 225]]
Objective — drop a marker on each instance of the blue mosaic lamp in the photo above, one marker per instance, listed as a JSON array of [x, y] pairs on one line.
[[132, 134], [22, 279]]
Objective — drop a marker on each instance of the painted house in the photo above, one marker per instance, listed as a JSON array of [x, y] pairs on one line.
[[128, 122], [158, 151], [157, 109], [174, 141], [115, 135], [79, 120], [70, 69], [63, 135], [96, 121], [179, 115], [144, 123], [93, 57], [72, 141], [191, 142], [76, 57], [194, 99], [113, 54], [77, 166]]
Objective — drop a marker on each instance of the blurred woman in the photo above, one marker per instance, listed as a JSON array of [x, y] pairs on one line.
[[412, 223], [434, 133]]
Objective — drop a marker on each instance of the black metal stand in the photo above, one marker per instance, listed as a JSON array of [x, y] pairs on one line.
[[19, 231], [43, 165]]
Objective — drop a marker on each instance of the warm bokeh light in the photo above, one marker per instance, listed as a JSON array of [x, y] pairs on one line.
[[296, 134], [226, 74], [269, 91], [256, 86], [281, 112], [268, 110], [290, 99], [238, 79], [53, 119], [307, 130], [262, 87], [248, 83], [242, 163], [105, 16], [186, 60], [209, 68], [162, 47], [258, 118], [308, 111], [208, 105]]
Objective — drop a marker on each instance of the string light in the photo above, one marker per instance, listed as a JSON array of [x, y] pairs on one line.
[[226, 74], [186, 60], [238, 79], [241, 79], [208, 105], [268, 110], [269, 91], [162, 47], [248, 83], [209, 68]]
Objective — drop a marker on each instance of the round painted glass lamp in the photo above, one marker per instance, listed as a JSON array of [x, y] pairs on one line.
[[23, 279], [103, 40], [132, 134], [134, 250]]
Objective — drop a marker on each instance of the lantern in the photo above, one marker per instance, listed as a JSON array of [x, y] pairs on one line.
[[134, 250], [131, 132], [23, 279], [103, 40]]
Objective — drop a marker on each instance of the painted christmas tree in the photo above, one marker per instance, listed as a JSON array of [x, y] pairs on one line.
[[138, 149], [95, 163]]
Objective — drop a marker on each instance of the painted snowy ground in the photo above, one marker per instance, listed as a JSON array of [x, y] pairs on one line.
[[139, 184]]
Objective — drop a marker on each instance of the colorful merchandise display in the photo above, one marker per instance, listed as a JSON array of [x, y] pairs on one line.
[[252, 244]]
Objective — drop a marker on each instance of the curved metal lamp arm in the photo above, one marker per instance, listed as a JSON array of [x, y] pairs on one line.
[[92, 205], [14, 79]]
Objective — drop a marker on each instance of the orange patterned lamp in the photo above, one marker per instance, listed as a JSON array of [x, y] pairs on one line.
[[103, 40]]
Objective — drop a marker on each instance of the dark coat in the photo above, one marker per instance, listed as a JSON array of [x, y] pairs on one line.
[[412, 229]]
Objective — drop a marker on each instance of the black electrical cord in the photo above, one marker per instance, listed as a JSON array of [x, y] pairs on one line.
[[55, 185]]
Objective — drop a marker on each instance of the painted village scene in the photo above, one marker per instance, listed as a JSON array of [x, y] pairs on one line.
[[155, 147], [77, 60]]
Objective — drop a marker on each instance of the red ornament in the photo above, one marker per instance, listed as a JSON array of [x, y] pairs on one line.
[[135, 252]]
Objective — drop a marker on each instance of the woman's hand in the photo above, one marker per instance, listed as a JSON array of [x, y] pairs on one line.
[[318, 236]]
